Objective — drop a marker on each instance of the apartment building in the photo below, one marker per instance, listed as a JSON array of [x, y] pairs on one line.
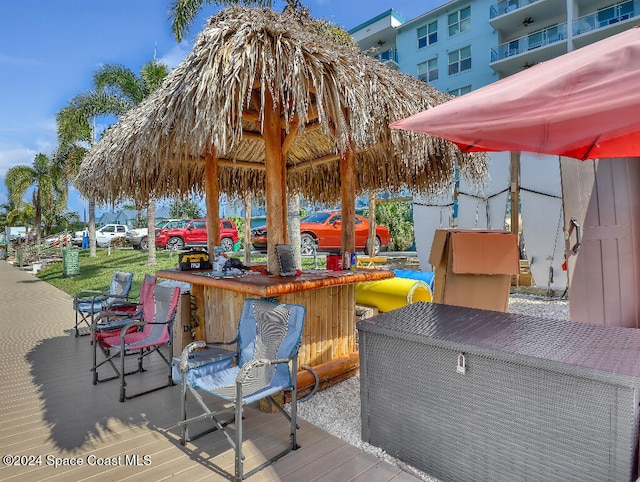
[[463, 45]]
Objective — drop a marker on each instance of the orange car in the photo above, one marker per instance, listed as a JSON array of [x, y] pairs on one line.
[[325, 229]]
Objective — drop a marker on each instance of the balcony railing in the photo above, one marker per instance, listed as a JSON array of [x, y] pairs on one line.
[[387, 55], [506, 6], [533, 41], [604, 18]]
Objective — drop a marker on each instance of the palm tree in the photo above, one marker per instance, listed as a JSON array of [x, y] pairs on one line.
[[21, 216], [131, 90], [118, 89], [184, 12], [76, 135], [66, 158], [46, 183], [6, 209]]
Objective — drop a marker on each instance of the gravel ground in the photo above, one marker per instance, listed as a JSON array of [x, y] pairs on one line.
[[337, 409]]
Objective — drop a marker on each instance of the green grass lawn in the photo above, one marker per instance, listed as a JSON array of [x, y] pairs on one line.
[[96, 273]]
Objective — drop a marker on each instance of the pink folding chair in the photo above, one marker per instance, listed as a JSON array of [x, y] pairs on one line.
[[109, 322], [155, 332]]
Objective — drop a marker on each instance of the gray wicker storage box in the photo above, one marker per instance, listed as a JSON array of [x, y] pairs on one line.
[[540, 400]]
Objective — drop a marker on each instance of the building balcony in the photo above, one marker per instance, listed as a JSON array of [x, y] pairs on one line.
[[615, 14], [521, 53], [388, 57], [541, 38], [507, 6], [512, 17]]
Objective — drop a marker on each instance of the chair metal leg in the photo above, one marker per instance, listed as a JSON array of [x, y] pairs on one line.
[[294, 403], [183, 403], [122, 374], [95, 362], [238, 423]]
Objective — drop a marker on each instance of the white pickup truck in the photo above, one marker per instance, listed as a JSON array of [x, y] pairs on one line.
[[104, 235]]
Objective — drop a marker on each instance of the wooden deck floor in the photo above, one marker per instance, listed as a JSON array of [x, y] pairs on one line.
[[51, 413]]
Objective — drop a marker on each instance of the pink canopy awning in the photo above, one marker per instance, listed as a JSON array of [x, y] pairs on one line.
[[585, 104]]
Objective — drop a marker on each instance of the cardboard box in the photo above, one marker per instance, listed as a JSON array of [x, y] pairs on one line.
[[182, 324], [473, 268]]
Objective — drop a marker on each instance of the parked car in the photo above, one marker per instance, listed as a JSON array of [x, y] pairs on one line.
[[139, 237], [107, 233], [104, 235], [194, 234], [324, 229]]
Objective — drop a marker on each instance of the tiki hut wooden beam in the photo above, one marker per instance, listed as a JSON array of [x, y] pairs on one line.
[[316, 162], [212, 202], [347, 179], [276, 232]]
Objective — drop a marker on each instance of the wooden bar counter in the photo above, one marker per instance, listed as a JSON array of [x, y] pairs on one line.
[[329, 336]]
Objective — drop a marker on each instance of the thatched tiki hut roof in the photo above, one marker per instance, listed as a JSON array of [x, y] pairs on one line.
[[263, 105]]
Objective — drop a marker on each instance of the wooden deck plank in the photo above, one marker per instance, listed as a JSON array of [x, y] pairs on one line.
[[382, 472], [353, 467], [321, 467]]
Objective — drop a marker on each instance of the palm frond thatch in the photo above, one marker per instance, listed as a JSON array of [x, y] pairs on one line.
[[331, 99]]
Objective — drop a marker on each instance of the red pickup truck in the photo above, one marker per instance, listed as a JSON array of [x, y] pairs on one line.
[[194, 234]]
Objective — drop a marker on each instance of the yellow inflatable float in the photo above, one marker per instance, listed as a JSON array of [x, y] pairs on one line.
[[393, 293]]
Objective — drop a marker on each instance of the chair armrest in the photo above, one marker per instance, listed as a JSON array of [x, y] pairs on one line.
[[258, 362], [184, 356], [100, 297], [136, 315], [111, 316], [86, 295], [118, 300], [137, 323]]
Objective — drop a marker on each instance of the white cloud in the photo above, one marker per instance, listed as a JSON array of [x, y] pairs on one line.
[[10, 157], [176, 55]]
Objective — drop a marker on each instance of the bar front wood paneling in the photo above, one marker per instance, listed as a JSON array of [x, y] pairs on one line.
[[329, 297]]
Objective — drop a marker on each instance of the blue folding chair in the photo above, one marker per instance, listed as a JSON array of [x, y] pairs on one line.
[[268, 340], [87, 303]]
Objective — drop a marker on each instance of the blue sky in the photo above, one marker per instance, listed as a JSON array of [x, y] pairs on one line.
[[50, 49]]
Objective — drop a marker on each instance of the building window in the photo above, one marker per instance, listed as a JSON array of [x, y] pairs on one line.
[[614, 13], [459, 21], [535, 40], [460, 91], [460, 60], [428, 35], [428, 71]]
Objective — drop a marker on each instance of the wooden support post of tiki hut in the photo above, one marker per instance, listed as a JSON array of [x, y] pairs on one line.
[[247, 229], [275, 184], [347, 186], [515, 193], [371, 243], [287, 140], [212, 202]]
